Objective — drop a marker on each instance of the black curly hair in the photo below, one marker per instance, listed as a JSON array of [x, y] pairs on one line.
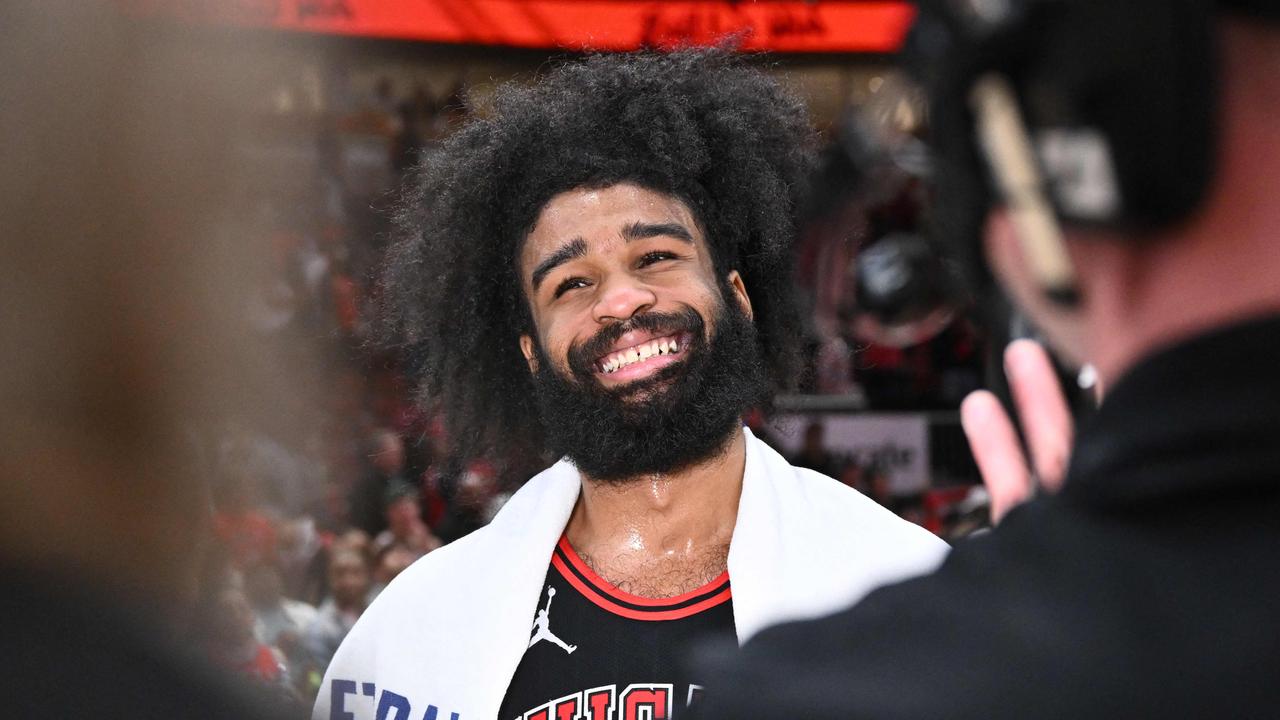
[[700, 125]]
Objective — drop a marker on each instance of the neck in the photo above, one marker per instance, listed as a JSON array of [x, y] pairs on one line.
[[1198, 286], [685, 519]]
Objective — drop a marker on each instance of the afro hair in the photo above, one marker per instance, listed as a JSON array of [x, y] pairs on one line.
[[700, 125]]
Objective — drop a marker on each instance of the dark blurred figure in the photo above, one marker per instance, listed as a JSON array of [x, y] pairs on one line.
[[248, 534], [393, 560], [406, 149], [303, 559], [118, 345], [233, 644], [356, 540], [279, 621], [813, 453], [405, 528], [350, 583], [386, 465], [472, 505]]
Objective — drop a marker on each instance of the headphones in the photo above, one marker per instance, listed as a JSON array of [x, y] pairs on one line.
[[1094, 113]]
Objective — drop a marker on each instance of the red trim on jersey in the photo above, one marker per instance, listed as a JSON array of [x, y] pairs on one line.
[[621, 594], [598, 590]]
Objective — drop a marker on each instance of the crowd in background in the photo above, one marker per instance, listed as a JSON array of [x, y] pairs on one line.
[[308, 529]]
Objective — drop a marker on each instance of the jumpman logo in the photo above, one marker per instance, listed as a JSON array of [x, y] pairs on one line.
[[542, 626]]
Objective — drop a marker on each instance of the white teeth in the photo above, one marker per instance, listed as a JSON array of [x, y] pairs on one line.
[[639, 353]]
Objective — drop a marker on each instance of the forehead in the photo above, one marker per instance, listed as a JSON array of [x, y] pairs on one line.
[[599, 214], [346, 561]]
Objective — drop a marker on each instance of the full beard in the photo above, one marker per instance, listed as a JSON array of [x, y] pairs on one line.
[[685, 413]]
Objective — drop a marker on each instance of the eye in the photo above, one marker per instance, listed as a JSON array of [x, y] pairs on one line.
[[656, 256], [568, 284]]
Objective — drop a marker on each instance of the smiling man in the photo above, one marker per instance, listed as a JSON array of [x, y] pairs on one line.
[[598, 269]]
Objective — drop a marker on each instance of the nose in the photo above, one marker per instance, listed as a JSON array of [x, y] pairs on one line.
[[621, 298]]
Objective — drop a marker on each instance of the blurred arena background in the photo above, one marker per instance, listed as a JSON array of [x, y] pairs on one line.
[[196, 195]]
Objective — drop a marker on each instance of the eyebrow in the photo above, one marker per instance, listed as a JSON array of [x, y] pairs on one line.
[[577, 247], [571, 250], [643, 230]]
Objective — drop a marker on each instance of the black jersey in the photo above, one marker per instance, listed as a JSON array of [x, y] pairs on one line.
[[599, 653]]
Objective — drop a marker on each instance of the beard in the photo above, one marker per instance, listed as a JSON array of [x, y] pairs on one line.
[[683, 414]]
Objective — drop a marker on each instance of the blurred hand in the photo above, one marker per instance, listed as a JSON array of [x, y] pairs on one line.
[[1046, 421]]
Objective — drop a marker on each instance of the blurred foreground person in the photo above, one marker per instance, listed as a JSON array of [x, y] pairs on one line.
[[599, 267], [1146, 587], [116, 344]]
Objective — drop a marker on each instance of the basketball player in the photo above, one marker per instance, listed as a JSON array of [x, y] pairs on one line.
[[1146, 130], [599, 267]]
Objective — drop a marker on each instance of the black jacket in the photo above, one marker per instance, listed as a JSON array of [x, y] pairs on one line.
[[1149, 588], [66, 651]]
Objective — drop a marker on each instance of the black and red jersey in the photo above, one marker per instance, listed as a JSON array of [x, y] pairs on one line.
[[599, 653]]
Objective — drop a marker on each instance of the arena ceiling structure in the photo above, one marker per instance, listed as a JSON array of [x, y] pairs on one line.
[[781, 26]]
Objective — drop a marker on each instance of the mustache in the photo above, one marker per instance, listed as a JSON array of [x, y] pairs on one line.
[[582, 358], [612, 438]]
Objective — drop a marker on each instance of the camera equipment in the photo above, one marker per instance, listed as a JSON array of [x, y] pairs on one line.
[[1091, 113]]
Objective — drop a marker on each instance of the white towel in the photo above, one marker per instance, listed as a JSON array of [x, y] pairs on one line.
[[444, 639]]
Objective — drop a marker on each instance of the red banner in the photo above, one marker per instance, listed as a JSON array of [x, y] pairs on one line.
[[784, 26]]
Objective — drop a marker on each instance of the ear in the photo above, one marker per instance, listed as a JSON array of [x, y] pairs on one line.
[[1061, 326], [740, 293], [526, 347]]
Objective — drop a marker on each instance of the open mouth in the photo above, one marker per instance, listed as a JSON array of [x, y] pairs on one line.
[[644, 358]]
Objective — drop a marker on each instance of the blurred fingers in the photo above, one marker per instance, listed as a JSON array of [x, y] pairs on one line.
[[1042, 410], [997, 452]]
